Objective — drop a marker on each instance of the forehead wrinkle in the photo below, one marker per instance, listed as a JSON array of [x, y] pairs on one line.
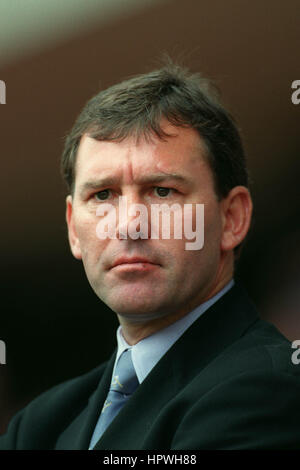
[[127, 167], [133, 170]]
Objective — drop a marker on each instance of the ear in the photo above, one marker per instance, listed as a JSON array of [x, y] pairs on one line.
[[73, 239], [237, 212]]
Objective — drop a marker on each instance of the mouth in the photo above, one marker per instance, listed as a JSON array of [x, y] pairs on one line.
[[136, 263]]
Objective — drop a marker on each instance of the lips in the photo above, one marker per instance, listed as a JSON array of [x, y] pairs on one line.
[[126, 260]]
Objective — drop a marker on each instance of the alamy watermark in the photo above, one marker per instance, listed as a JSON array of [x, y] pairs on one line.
[[2, 352], [295, 97], [133, 222], [295, 359], [2, 92]]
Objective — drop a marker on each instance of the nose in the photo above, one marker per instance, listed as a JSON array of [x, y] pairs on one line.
[[133, 218]]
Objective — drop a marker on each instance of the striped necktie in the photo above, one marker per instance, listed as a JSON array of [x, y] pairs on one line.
[[124, 383]]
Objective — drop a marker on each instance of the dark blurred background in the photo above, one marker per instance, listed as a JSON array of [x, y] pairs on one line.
[[53, 57]]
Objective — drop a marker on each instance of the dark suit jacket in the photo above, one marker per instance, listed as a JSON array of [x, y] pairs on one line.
[[227, 383]]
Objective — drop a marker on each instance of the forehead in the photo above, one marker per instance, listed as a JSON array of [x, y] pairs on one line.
[[183, 152]]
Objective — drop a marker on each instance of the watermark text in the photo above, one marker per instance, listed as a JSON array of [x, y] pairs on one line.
[[2, 352], [295, 356], [2, 92], [164, 221], [296, 94]]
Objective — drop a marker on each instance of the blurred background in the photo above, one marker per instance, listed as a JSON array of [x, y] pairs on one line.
[[54, 55]]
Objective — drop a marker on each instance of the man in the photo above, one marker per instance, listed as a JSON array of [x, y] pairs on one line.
[[205, 371]]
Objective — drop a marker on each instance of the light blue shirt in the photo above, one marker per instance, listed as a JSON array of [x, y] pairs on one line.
[[147, 352]]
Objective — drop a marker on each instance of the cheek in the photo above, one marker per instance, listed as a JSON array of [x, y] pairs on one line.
[[202, 227], [212, 225], [90, 244]]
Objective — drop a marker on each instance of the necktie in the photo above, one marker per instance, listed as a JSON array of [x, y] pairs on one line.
[[123, 384]]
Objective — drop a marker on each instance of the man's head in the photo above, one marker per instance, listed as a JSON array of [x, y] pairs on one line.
[[136, 107], [158, 138]]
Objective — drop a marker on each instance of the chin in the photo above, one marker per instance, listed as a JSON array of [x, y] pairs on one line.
[[141, 317], [137, 307], [133, 298]]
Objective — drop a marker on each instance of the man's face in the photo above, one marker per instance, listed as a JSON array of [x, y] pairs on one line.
[[170, 278]]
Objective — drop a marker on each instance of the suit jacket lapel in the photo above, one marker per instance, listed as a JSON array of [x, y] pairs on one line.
[[95, 405], [216, 329], [78, 434]]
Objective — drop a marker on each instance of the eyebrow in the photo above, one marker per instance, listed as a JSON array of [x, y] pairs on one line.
[[147, 179]]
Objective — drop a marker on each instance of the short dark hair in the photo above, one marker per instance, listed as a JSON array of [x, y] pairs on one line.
[[136, 107]]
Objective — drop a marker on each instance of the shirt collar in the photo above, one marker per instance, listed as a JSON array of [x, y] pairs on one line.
[[147, 352]]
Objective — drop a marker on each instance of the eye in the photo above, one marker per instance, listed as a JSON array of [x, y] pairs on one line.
[[162, 192], [102, 195]]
